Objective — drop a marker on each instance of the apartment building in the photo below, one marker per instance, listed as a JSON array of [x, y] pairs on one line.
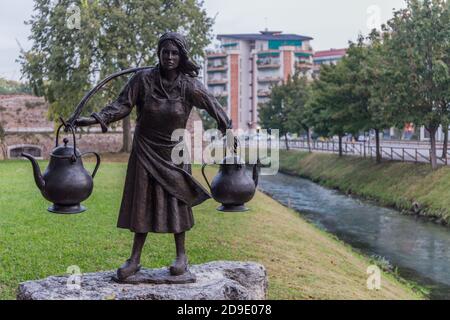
[[242, 73], [328, 57]]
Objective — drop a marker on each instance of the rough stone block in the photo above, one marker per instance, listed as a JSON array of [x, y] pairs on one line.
[[219, 280]]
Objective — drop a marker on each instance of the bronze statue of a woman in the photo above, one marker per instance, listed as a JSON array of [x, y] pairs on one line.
[[158, 195]]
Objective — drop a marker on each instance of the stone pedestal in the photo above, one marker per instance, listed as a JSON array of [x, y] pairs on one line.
[[219, 280]]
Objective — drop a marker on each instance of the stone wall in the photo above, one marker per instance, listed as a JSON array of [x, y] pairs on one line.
[[98, 142], [24, 121]]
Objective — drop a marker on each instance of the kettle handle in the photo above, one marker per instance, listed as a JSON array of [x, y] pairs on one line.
[[64, 124], [97, 88], [204, 175], [97, 164]]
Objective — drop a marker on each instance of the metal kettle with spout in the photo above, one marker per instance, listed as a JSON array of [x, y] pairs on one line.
[[65, 182], [232, 186]]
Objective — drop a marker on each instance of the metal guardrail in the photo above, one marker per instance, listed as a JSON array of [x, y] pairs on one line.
[[366, 150]]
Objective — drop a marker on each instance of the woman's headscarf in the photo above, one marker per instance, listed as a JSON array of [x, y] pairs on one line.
[[187, 66]]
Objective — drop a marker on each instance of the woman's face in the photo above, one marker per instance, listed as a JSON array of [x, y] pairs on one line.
[[170, 56]]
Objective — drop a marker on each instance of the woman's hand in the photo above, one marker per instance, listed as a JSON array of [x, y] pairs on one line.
[[85, 121]]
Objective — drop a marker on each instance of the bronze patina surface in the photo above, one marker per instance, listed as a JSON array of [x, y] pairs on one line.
[[159, 195]]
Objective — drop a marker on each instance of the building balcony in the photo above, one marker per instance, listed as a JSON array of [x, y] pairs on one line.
[[303, 53], [218, 68], [263, 93], [215, 82], [220, 94], [269, 79], [270, 65], [216, 55], [303, 65], [268, 53]]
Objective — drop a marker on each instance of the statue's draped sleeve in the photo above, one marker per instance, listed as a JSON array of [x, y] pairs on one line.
[[202, 99], [122, 106]]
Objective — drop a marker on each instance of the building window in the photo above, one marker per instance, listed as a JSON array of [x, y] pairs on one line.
[[14, 152]]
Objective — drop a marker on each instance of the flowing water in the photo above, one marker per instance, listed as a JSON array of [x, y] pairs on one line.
[[419, 249]]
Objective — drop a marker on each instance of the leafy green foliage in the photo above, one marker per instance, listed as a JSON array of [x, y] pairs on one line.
[[332, 103], [397, 76], [63, 63], [273, 114], [418, 49], [298, 92], [13, 87]]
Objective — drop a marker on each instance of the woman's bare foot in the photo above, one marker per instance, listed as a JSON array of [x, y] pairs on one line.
[[129, 268], [179, 266]]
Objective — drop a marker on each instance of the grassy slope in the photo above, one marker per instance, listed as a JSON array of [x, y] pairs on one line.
[[394, 184], [302, 262]]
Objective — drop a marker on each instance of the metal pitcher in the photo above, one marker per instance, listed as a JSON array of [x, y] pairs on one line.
[[65, 182]]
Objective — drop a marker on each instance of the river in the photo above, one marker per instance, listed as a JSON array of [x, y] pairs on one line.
[[419, 249]]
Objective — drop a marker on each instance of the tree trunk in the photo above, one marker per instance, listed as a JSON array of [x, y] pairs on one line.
[[3, 154], [286, 141], [377, 145], [433, 158], [445, 146], [340, 145], [126, 137]]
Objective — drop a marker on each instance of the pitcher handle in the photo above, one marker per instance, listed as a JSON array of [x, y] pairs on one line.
[[204, 175], [68, 127], [98, 161]]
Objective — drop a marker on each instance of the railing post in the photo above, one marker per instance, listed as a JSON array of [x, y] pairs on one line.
[[416, 154], [403, 154], [392, 154], [364, 148]]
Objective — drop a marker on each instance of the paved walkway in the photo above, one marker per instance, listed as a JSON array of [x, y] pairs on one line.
[[409, 151]]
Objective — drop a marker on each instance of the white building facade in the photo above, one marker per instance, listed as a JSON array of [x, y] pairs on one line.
[[243, 72]]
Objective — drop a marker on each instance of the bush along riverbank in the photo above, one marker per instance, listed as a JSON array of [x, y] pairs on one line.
[[411, 188]]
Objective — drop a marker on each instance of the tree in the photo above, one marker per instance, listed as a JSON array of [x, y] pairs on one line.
[[64, 63], [297, 95], [273, 114], [366, 72], [374, 71], [2, 141], [332, 105], [417, 45]]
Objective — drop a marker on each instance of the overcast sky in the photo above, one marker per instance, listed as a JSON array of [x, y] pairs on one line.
[[331, 23]]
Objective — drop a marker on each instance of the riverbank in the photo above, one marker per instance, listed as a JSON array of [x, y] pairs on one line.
[[408, 187], [302, 262]]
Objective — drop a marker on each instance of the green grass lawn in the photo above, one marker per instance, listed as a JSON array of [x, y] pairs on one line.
[[302, 261], [391, 183]]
